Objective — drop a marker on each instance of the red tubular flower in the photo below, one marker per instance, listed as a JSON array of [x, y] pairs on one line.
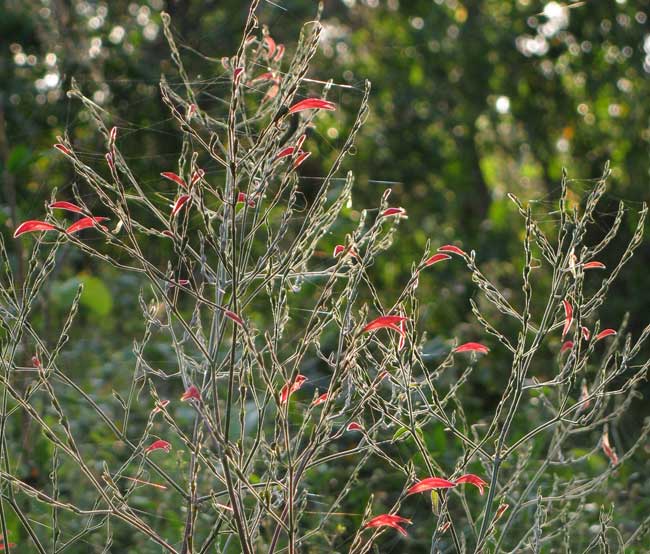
[[472, 480], [173, 177], [176, 207], [402, 335], [192, 393], [594, 265], [500, 511], [451, 249], [268, 76], [237, 75], [36, 362], [401, 212], [354, 426], [110, 161], [197, 176], [270, 45], [300, 158], [159, 445], [607, 449], [444, 527], [64, 149], [288, 151], [160, 406], [389, 520], [85, 223], [437, 258], [279, 53], [585, 333], [191, 110], [234, 317], [384, 322], [605, 333], [31, 226], [584, 398], [472, 347], [320, 400], [430, 483], [568, 317], [63, 205], [312, 104], [568, 345], [287, 390], [242, 197], [112, 136]]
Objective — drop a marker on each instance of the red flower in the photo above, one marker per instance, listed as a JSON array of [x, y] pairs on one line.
[[288, 151], [312, 104], [173, 177], [64, 149], [112, 136], [451, 249], [31, 226], [607, 449], [430, 483], [320, 400], [279, 53], [241, 197], [109, 160], [605, 333], [179, 203], [232, 315], [69, 206], [568, 317], [268, 76], [594, 265], [197, 176], [191, 393], [385, 322], [354, 426], [85, 223], [500, 511], [287, 390], [584, 398], [389, 520], [473, 480], [302, 156], [437, 258], [401, 212], [160, 406], [585, 332], [159, 445], [237, 74], [270, 45], [568, 345], [472, 347]]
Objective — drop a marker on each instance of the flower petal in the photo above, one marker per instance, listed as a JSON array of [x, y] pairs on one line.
[[234, 317], [594, 265], [320, 400], [401, 212], [159, 445], [586, 333], [384, 322], [472, 480], [568, 345], [31, 226], [451, 249], [192, 393], [389, 520], [605, 333], [568, 317], [182, 199], [607, 449], [354, 426], [287, 390]]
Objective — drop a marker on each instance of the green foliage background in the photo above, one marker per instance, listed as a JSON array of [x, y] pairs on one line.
[[470, 100]]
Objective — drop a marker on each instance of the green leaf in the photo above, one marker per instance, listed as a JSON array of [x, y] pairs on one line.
[[400, 434], [96, 296], [435, 502]]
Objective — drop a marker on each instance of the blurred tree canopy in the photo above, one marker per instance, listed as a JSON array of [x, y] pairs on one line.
[[471, 100]]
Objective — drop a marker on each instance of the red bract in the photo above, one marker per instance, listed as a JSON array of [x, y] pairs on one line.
[[31, 226], [182, 199], [437, 258], [401, 212], [384, 322], [159, 445], [568, 317], [173, 177], [586, 333], [389, 520], [607, 449], [594, 265], [232, 315], [430, 483], [241, 197], [320, 400], [568, 345], [192, 393], [472, 347], [287, 390], [605, 333], [354, 426], [472, 480], [85, 223], [450, 248], [69, 206], [312, 104]]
